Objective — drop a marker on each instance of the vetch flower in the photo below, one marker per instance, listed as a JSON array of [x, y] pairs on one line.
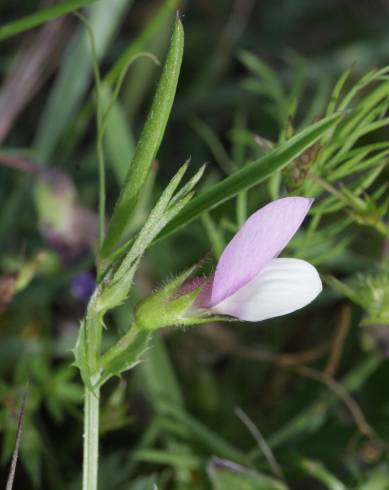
[[82, 286], [250, 283]]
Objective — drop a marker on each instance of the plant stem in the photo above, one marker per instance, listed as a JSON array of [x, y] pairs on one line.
[[91, 439], [101, 161]]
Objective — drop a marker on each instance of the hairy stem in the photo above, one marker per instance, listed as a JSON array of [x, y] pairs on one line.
[[91, 439]]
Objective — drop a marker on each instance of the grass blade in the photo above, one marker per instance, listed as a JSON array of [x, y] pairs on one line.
[[38, 18], [250, 175], [319, 472], [11, 475]]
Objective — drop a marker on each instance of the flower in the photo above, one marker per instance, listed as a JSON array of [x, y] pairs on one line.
[[250, 283], [82, 286]]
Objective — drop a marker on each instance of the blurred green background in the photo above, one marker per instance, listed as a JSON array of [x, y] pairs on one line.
[[314, 384]]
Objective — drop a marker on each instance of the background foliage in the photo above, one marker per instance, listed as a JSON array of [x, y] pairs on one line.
[[311, 387]]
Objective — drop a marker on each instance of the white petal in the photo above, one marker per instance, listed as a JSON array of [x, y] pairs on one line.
[[283, 286]]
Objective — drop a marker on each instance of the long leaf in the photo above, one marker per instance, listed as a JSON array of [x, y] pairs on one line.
[[250, 175], [319, 472], [149, 141], [38, 18]]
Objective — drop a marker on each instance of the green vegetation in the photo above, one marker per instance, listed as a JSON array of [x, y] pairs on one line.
[[106, 122]]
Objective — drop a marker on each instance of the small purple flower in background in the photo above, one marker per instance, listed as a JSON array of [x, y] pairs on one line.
[[250, 282], [82, 286]]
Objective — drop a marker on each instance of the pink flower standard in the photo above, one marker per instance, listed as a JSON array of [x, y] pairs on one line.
[[250, 282]]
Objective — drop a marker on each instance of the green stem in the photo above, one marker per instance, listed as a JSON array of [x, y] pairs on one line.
[[241, 208], [91, 439], [101, 160]]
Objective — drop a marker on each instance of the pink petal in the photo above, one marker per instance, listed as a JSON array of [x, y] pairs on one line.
[[191, 284], [203, 300], [261, 238]]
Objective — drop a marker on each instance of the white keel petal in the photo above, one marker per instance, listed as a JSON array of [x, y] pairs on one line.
[[283, 286]]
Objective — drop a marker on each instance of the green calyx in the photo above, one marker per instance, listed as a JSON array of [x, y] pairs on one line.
[[168, 308]]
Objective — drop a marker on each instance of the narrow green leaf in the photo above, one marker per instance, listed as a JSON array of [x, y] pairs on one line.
[[200, 432], [81, 354], [251, 174], [269, 81], [40, 17], [118, 287], [228, 475], [319, 472], [149, 141], [215, 235], [158, 376], [179, 459], [337, 91], [214, 144], [376, 480], [146, 198], [128, 356], [146, 483]]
